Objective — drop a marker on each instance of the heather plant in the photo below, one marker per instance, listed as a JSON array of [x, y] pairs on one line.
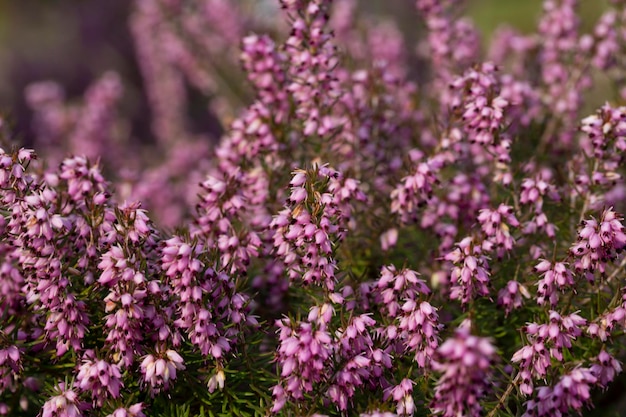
[[357, 243]]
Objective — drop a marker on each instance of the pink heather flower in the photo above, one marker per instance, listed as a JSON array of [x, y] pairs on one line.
[[203, 319], [216, 381], [555, 277], [305, 231], [265, 68], [394, 286], [558, 31], [482, 109], [571, 392], [470, 274], [603, 325], [65, 404], [496, 226], [419, 329], [510, 297], [605, 132], [465, 196], [443, 32], [464, 362], [545, 341], [605, 367], [361, 363], [402, 394], [599, 241], [160, 369], [85, 183], [10, 368], [67, 324], [303, 354], [534, 189], [124, 323], [532, 193], [415, 191], [606, 40], [134, 410], [98, 377]]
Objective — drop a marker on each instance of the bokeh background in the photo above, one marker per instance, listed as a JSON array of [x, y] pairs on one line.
[[75, 41]]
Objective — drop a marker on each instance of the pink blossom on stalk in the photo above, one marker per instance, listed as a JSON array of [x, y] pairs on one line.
[[225, 203], [571, 392], [10, 367], [496, 226], [389, 239], [415, 191], [303, 353], [264, 66], [470, 272], [559, 55], [464, 362], [65, 404], [204, 320], [444, 31], [363, 365], [415, 322], [393, 287], [159, 370], [124, 322], [545, 341], [465, 196], [604, 141], [402, 394], [11, 280], [419, 327], [532, 192], [603, 325], [164, 85], [555, 277], [605, 367], [479, 103], [67, 324], [134, 410], [599, 242], [307, 228], [98, 377], [606, 40], [510, 297], [85, 183]]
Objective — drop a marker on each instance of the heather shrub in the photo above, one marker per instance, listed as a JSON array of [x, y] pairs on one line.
[[357, 243]]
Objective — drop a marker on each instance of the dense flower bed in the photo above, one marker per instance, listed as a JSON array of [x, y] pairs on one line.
[[356, 244]]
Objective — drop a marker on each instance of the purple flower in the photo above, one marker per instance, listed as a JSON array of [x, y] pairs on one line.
[[160, 369], [464, 362], [572, 391], [98, 377], [65, 404], [134, 410]]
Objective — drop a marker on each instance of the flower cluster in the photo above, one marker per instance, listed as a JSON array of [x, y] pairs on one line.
[[545, 341], [252, 278], [464, 362], [312, 222]]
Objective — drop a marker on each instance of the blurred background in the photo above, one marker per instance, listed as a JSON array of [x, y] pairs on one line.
[[74, 41]]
